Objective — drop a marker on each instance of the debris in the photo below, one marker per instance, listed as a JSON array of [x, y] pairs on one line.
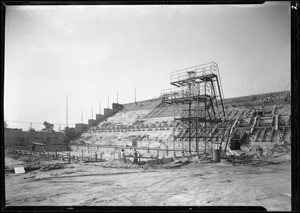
[[52, 167], [180, 164], [32, 167]]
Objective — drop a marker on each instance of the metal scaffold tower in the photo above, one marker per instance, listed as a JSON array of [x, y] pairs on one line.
[[197, 95]]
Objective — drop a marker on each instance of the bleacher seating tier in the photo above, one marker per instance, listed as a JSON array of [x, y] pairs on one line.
[[137, 120]]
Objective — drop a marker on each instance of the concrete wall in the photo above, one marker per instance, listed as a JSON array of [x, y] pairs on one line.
[[92, 122], [117, 106], [99, 117], [81, 127], [23, 139], [258, 97], [108, 112], [147, 104]]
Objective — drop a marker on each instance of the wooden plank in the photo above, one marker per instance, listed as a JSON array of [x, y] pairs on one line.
[[40, 144]]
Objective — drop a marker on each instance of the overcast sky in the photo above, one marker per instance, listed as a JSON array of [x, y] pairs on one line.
[[90, 52]]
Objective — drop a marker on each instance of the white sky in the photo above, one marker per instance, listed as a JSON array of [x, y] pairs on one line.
[[90, 52]]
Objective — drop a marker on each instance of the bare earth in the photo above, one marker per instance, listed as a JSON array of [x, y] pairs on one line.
[[195, 184]]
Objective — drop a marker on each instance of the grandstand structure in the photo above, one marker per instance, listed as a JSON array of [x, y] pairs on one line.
[[198, 94], [194, 117]]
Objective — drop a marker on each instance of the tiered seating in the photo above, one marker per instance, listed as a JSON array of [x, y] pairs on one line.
[[287, 135], [151, 121], [261, 135], [283, 120], [261, 99], [265, 129], [149, 104], [254, 135], [155, 112], [127, 117], [167, 112], [268, 135]]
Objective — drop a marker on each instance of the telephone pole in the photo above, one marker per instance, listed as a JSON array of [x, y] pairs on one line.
[[135, 95], [67, 110], [99, 107]]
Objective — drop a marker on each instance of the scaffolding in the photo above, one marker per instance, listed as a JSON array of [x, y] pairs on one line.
[[198, 93]]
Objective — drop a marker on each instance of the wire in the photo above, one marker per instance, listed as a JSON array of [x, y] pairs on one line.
[[33, 122]]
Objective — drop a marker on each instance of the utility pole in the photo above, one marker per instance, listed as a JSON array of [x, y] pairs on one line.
[[107, 101], [117, 96], [135, 95], [82, 117], [67, 110], [99, 107]]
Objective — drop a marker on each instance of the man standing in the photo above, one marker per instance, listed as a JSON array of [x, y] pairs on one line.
[[123, 157], [135, 159]]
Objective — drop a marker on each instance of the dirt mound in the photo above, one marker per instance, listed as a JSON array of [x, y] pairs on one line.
[[32, 167], [122, 164], [41, 167], [32, 162], [54, 166], [28, 158], [9, 169]]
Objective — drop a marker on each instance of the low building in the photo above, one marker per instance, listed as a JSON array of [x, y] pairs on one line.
[[16, 138]]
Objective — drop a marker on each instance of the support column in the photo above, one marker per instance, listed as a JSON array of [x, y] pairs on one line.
[[197, 123], [211, 142], [197, 145], [174, 132], [190, 122], [205, 106]]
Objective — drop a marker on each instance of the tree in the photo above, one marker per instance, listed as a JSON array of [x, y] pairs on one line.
[[5, 125], [70, 134], [48, 127]]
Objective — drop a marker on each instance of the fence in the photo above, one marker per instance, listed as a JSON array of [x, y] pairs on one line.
[[68, 156], [93, 154]]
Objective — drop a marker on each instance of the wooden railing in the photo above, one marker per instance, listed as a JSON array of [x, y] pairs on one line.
[[92, 153]]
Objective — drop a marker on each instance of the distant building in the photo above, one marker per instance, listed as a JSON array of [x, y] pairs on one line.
[[23, 139]]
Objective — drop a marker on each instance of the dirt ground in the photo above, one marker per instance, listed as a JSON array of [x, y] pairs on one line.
[[114, 183]]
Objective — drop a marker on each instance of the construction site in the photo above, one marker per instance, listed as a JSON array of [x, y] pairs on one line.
[[189, 147]]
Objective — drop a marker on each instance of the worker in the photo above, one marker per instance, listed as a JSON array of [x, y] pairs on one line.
[[123, 157], [261, 151], [33, 148], [135, 159]]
